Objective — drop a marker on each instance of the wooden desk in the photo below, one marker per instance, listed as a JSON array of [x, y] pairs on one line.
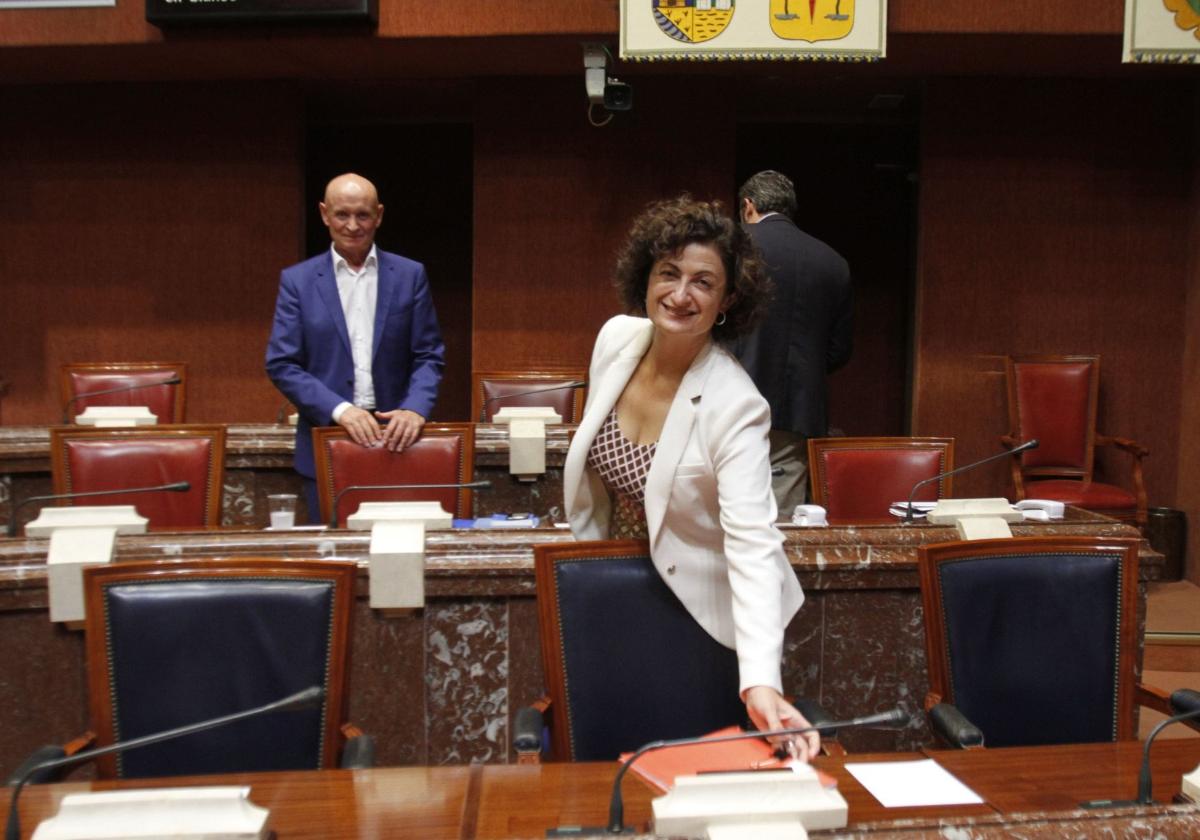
[[1031, 793]]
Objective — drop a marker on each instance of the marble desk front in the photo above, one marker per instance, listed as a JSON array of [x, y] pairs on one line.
[[440, 685]]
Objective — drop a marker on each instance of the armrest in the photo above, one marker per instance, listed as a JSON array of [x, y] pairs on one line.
[[359, 750], [1185, 700], [1131, 446], [1014, 466], [528, 726], [952, 726], [50, 752]]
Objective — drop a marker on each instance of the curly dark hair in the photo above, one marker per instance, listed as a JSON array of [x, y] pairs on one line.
[[664, 228]]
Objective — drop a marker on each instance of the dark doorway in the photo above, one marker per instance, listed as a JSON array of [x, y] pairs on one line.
[[856, 189], [424, 177]]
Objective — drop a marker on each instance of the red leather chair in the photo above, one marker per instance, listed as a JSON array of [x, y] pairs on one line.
[[492, 390], [166, 402], [859, 478], [444, 454], [84, 459], [1053, 399]]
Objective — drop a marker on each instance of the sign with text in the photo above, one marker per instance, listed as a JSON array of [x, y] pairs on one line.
[[170, 12]]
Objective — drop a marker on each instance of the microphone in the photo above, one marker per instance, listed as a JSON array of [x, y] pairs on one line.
[[469, 485], [66, 418], [175, 487], [1027, 445], [896, 718], [570, 386], [299, 700], [1145, 782]]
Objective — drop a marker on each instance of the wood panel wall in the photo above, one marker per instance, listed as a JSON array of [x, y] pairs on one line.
[[147, 222], [1055, 218], [554, 197], [1187, 495]]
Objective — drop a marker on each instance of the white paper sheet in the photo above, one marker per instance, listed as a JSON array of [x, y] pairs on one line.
[[905, 784]]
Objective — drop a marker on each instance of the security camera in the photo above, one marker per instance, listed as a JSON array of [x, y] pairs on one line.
[[601, 88]]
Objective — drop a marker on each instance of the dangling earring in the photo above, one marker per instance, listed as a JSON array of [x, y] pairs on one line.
[[721, 319]]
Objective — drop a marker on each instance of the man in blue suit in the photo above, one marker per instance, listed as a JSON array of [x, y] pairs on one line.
[[355, 339]]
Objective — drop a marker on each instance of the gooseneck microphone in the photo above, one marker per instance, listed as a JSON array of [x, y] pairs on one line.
[[299, 700], [1024, 447], [570, 386], [894, 719], [468, 485], [66, 418], [174, 487]]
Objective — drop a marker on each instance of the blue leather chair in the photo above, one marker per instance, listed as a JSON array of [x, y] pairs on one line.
[[1033, 641], [174, 643], [624, 661]]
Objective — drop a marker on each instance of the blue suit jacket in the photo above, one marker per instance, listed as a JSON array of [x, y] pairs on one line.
[[308, 355]]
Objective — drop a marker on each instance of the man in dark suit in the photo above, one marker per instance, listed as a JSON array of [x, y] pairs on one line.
[[806, 334], [355, 339]]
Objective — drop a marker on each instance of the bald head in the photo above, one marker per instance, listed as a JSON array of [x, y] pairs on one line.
[[352, 212]]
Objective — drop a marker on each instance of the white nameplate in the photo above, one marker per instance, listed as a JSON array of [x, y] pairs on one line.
[[116, 416], [397, 565], [527, 438], [948, 510], [211, 813], [429, 514], [124, 518], [732, 802]]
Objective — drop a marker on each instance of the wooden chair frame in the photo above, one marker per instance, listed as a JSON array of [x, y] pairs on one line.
[[1093, 438], [180, 369], [534, 377], [60, 470], [100, 694], [1130, 693], [818, 491], [465, 470]]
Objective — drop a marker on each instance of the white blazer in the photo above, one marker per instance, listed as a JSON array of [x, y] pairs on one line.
[[709, 508]]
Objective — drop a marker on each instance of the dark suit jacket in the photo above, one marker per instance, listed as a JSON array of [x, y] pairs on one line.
[[308, 355], [808, 329]]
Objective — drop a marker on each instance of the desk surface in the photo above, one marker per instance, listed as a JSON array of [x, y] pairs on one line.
[[1039, 788]]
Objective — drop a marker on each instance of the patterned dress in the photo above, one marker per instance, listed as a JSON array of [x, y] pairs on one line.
[[622, 465]]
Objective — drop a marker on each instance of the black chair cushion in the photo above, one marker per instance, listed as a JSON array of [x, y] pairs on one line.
[[1033, 655], [183, 652], [639, 668]]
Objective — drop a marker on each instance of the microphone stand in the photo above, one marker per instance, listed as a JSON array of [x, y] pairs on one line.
[[908, 513], [175, 487], [299, 700]]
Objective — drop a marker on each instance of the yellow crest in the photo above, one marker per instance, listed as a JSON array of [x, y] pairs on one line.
[[812, 20], [693, 21], [1187, 14]]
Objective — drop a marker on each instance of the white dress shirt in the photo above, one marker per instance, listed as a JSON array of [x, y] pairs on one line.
[[357, 291]]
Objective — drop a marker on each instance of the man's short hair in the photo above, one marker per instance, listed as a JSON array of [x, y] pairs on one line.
[[771, 192]]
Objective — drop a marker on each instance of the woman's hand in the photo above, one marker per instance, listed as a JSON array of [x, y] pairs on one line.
[[768, 710]]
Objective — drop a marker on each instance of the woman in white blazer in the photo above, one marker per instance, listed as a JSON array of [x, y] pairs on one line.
[[673, 445]]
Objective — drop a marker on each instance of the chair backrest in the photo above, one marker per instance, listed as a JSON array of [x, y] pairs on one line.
[[1053, 399], [492, 390], [859, 478], [166, 402], [84, 459], [174, 643], [1034, 639], [625, 662], [444, 454]]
